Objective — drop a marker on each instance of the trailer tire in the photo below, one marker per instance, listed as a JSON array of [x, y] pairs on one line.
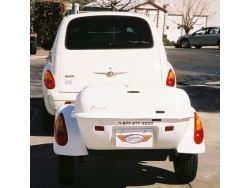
[[198, 47], [66, 168], [185, 167]]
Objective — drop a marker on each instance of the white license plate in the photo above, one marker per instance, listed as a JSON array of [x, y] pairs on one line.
[[134, 138]]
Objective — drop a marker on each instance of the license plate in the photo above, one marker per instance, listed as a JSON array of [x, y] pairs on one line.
[[134, 137]]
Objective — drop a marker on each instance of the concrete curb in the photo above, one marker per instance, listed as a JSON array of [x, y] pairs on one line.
[[203, 47], [213, 83], [37, 57]]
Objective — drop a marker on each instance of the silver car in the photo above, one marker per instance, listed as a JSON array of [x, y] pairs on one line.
[[209, 36]]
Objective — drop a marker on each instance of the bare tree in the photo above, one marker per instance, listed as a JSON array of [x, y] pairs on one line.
[[191, 11], [116, 5], [81, 3]]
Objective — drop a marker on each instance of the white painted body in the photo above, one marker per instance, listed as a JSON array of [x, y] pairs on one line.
[[133, 96], [143, 67], [122, 113]]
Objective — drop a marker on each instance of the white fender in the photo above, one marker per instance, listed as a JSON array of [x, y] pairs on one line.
[[75, 145], [187, 144]]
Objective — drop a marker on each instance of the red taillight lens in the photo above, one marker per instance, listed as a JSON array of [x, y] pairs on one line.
[[49, 81], [61, 134], [198, 129], [169, 128], [99, 128], [171, 78]]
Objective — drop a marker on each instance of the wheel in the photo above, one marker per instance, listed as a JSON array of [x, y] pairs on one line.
[[33, 47], [185, 167], [198, 47], [66, 168], [185, 43], [48, 120]]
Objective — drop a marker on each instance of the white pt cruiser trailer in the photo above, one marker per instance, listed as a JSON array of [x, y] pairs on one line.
[[110, 91]]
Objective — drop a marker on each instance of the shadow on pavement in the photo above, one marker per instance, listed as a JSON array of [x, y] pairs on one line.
[[203, 99], [97, 174], [36, 128]]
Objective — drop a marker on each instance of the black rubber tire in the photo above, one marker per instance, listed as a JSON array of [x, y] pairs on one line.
[[33, 47], [177, 46], [185, 43], [66, 168], [198, 47], [48, 120], [185, 167]]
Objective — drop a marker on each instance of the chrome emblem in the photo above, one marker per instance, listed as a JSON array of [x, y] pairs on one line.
[[110, 73]]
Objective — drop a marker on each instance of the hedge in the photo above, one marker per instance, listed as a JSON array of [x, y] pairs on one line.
[[47, 15]]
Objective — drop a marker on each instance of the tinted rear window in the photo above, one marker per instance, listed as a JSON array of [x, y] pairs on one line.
[[108, 32]]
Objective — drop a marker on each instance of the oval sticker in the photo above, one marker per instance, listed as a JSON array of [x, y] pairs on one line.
[[134, 138]]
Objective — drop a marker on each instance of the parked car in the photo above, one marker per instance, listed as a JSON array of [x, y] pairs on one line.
[[110, 92], [209, 36], [33, 39]]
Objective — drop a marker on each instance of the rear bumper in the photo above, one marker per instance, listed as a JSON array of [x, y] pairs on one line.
[[84, 140], [115, 134], [55, 100], [140, 155]]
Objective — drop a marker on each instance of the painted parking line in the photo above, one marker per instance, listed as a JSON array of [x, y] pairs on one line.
[[33, 113]]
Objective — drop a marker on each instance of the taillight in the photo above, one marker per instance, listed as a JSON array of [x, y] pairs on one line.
[[99, 128], [49, 81], [171, 78], [61, 135], [198, 129]]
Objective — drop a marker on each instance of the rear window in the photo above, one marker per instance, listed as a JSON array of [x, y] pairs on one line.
[[108, 32]]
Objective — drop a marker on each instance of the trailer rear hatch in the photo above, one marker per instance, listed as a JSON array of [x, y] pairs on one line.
[[120, 117]]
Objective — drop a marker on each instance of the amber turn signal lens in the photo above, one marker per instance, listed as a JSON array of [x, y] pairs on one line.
[[171, 78], [198, 129]]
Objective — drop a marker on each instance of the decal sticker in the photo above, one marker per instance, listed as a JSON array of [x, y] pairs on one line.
[[97, 107], [69, 76], [134, 138], [135, 123], [158, 108], [68, 81]]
